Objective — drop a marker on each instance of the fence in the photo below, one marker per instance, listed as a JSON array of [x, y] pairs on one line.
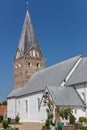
[[70, 128]]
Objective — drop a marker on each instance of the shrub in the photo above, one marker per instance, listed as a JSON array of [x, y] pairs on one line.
[[17, 119], [72, 119], [45, 128], [82, 119], [50, 116], [47, 124], [83, 128], [56, 128], [1, 118], [9, 120], [5, 123]]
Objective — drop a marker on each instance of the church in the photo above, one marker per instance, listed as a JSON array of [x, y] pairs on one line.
[[65, 82]]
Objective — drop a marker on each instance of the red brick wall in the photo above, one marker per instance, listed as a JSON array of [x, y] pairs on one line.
[[23, 71]]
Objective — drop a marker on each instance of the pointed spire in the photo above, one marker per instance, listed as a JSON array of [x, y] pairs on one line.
[[27, 5], [28, 39]]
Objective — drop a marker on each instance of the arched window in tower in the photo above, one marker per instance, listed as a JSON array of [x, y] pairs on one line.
[[17, 55], [30, 53], [16, 67], [29, 64], [19, 65], [34, 53], [38, 65], [37, 54]]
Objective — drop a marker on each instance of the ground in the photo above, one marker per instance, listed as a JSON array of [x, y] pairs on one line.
[[29, 126]]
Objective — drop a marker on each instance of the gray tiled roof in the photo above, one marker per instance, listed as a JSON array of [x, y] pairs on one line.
[[80, 74], [65, 96], [28, 39], [52, 76], [14, 93]]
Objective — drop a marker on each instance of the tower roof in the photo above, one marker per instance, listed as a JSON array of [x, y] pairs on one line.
[[28, 39]]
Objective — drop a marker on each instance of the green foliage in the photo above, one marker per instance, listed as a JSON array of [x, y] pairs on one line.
[[50, 116], [4, 103], [72, 119], [82, 119], [48, 122], [65, 113], [45, 128], [56, 128], [57, 110], [1, 118], [9, 120], [17, 119], [83, 128], [5, 123]]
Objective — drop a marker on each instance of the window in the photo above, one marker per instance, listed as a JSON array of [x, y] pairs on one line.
[[19, 65], [83, 96], [18, 103], [37, 54], [30, 64], [38, 65], [26, 105], [30, 53], [34, 53], [38, 99], [75, 111], [16, 67]]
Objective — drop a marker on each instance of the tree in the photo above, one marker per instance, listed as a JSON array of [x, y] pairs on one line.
[[57, 115], [5, 123], [82, 119], [65, 113], [4, 103], [17, 119], [72, 119]]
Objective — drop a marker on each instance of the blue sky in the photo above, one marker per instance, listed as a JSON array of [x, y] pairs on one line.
[[60, 25]]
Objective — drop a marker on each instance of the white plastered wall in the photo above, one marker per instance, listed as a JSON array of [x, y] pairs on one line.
[[82, 91], [11, 105], [32, 114]]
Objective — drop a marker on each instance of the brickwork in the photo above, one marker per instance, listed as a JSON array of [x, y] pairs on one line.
[[24, 68]]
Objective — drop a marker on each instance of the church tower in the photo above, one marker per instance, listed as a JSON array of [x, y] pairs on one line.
[[29, 58]]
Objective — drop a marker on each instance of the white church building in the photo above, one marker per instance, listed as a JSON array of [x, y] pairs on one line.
[[66, 82]]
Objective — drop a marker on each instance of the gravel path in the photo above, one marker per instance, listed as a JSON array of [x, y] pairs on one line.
[[29, 126]]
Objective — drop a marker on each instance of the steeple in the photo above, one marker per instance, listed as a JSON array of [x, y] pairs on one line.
[[28, 57], [28, 39], [27, 4]]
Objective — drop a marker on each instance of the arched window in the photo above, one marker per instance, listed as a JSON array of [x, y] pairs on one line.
[[37, 54], [29, 64], [34, 53], [19, 65], [26, 105], [38, 65], [16, 67], [30, 53]]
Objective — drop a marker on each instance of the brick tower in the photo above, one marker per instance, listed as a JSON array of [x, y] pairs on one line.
[[28, 57]]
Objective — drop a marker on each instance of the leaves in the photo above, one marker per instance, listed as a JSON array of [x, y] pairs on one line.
[[65, 113]]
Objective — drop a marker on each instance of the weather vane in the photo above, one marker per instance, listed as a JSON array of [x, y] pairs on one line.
[[27, 4]]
